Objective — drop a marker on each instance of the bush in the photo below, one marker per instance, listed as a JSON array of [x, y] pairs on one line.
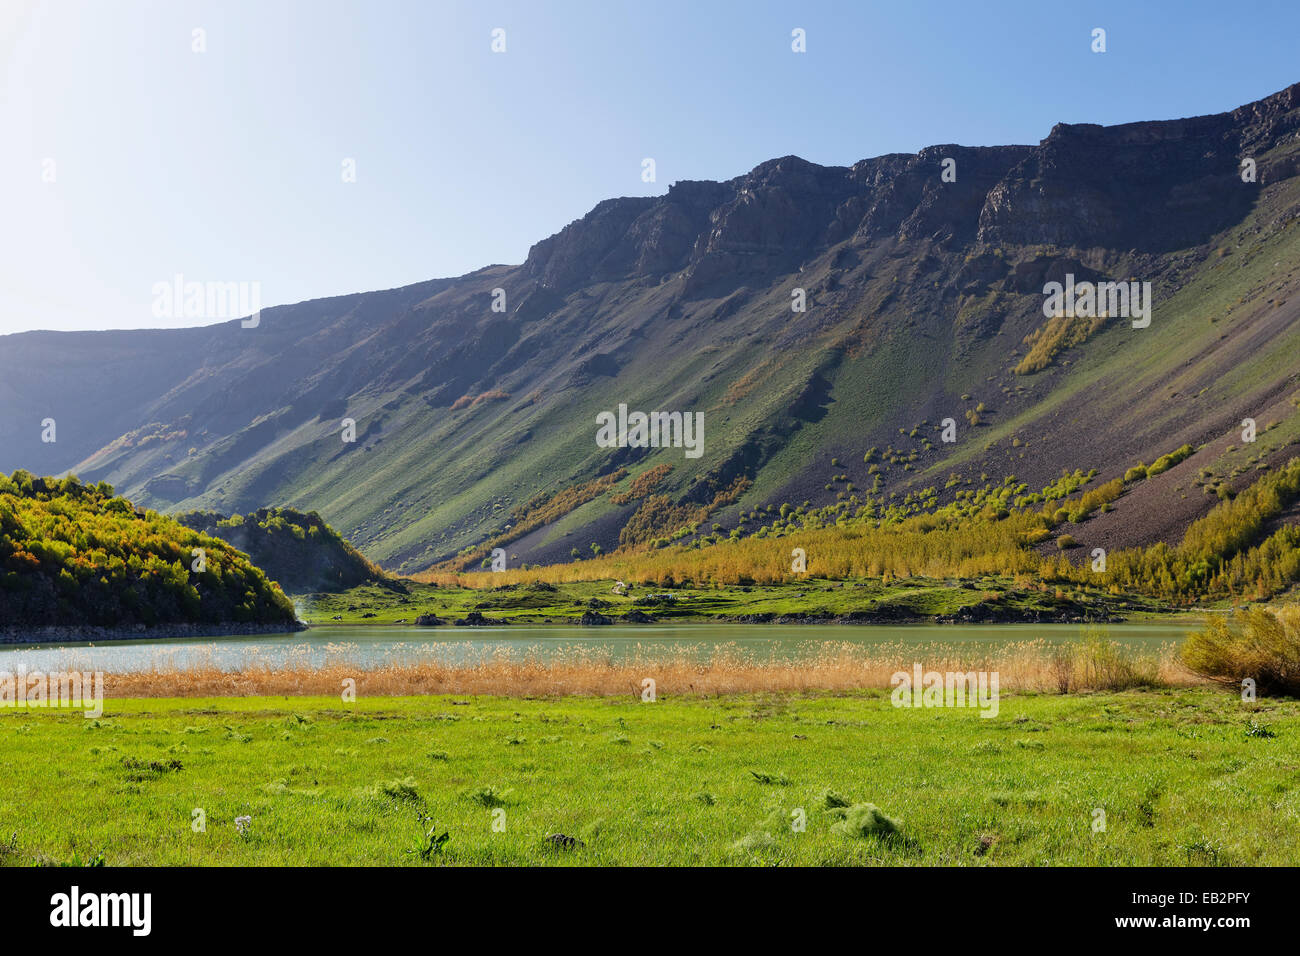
[[1165, 462], [1262, 644], [1065, 542]]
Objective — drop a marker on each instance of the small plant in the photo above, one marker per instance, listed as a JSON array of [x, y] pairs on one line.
[[488, 796], [865, 820], [756, 842], [1201, 848], [432, 843], [402, 791], [830, 800], [1256, 729]]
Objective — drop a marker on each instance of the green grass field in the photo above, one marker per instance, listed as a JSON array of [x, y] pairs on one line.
[[1183, 777]]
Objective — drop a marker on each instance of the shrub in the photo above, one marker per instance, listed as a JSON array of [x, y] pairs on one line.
[[642, 485], [1262, 644], [1165, 462], [488, 796], [1065, 542]]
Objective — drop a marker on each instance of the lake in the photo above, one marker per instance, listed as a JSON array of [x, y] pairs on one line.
[[371, 646]]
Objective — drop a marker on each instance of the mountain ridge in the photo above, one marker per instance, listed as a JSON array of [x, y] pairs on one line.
[[920, 291]]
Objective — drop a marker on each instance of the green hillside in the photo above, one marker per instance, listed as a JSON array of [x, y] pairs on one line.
[[75, 554], [298, 551]]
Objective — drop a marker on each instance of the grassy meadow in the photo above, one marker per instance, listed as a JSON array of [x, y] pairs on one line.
[[1184, 776]]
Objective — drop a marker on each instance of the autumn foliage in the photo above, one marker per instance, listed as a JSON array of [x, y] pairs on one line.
[[75, 554]]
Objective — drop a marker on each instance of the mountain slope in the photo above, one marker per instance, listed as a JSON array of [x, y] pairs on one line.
[[924, 302]]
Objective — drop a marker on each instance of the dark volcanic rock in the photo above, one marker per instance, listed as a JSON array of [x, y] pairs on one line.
[[563, 842], [1152, 186], [51, 634], [476, 619]]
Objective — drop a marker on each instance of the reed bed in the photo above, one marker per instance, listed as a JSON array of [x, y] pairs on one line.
[[1027, 666]]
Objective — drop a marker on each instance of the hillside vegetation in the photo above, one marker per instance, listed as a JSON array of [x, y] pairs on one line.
[[1238, 551], [77, 554], [299, 551]]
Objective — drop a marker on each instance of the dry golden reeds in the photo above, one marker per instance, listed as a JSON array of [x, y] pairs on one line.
[[582, 670]]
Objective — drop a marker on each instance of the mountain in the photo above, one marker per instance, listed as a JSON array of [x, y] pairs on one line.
[[924, 302]]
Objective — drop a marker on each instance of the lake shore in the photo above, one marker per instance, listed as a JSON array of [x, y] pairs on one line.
[[81, 634]]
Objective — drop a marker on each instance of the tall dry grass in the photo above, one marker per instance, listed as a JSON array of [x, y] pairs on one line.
[[582, 670]]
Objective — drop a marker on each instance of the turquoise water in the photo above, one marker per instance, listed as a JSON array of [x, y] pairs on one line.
[[369, 646]]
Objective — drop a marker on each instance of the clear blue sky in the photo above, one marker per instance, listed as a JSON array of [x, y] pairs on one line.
[[226, 165]]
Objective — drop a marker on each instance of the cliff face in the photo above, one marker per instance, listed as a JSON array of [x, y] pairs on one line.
[[1151, 186], [919, 292]]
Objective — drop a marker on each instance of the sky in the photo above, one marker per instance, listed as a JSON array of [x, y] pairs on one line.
[[134, 150]]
